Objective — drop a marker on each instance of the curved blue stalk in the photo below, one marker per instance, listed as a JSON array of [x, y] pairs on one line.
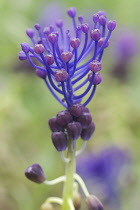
[[52, 83], [84, 47], [36, 56], [69, 85], [81, 85], [65, 94], [80, 77], [79, 71], [49, 71], [74, 24], [103, 31], [67, 42], [103, 45], [88, 49], [55, 57], [100, 56], [87, 90], [75, 62], [55, 95], [91, 96], [32, 64]]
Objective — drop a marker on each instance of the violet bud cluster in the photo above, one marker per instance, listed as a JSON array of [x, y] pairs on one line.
[[71, 124]]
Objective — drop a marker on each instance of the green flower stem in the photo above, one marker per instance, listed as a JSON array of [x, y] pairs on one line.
[[51, 200], [69, 174], [82, 184]]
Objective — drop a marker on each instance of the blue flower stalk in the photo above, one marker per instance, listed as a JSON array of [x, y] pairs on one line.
[[70, 61]]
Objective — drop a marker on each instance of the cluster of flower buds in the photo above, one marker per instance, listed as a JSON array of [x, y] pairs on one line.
[[71, 124], [69, 59]]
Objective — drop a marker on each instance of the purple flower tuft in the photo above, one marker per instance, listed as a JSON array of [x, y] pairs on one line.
[[67, 54]]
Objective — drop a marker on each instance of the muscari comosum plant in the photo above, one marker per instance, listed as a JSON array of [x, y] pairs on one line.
[[69, 62]]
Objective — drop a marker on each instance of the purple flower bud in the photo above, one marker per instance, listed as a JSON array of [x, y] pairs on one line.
[[75, 42], [22, 56], [49, 59], [25, 47], [60, 141], [78, 27], [95, 66], [41, 74], [93, 203], [85, 27], [51, 28], [72, 12], [76, 109], [85, 109], [30, 32], [39, 48], [102, 20], [95, 34], [47, 31], [101, 41], [66, 56], [74, 130], [61, 75], [37, 27], [97, 79], [63, 118], [111, 25], [35, 173], [52, 37], [59, 23], [85, 119], [88, 132], [102, 13], [81, 19], [54, 126], [95, 18]]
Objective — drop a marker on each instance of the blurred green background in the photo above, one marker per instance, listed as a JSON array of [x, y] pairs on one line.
[[26, 104]]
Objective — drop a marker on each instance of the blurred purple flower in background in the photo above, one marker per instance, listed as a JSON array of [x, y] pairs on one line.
[[126, 48], [106, 173]]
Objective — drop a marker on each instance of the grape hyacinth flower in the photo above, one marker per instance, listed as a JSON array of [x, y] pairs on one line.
[[69, 61]]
